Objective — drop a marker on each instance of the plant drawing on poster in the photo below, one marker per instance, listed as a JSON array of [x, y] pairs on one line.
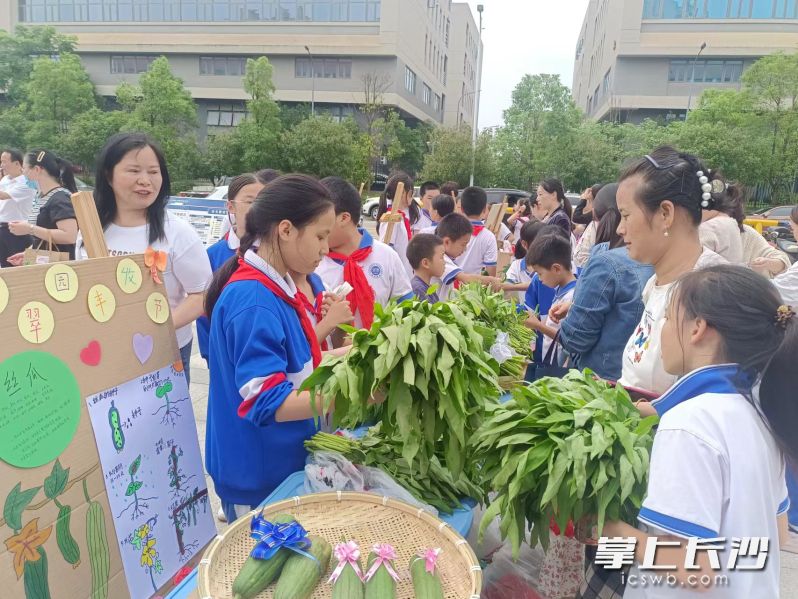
[[147, 440]]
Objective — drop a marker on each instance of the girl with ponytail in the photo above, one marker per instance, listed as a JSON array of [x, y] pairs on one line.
[[56, 225], [408, 209], [717, 468], [262, 344]]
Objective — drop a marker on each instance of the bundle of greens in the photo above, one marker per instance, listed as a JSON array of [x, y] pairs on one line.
[[437, 487], [563, 449], [495, 313], [430, 361]]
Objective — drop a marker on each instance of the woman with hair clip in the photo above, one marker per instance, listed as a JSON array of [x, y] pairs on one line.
[[263, 346], [717, 466], [551, 198], [607, 302], [407, 208], [721, 228], [56, 225], [131, 193]]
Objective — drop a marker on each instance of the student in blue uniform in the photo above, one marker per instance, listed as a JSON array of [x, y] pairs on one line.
[[717, 466], [240, 196], [263, 346]]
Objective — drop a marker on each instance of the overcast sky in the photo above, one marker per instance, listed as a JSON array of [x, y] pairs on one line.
[[524, 36]]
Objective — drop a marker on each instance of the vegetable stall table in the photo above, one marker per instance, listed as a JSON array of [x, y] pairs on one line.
[[460, 520]]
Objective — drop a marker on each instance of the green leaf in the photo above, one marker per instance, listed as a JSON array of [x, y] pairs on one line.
[[409, 370], [15, 504], [627, 478], [55, 483], [134, 466], [132, 488]]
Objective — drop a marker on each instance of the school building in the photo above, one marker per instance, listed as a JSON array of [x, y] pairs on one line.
[[638, 59], [421, 56]]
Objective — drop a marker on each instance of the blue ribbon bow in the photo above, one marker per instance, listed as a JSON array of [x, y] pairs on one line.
[[272, 537]]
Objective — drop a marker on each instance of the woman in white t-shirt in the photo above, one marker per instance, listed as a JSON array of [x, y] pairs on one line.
[[661, 198], [131, 193]]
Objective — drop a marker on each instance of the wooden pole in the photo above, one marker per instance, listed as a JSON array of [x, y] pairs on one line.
[[393, 216], [362, 185], [89, 224]]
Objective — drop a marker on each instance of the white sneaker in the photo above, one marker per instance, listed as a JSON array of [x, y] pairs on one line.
[[220, 515]]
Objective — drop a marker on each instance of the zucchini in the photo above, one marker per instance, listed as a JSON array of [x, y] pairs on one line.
[[301, 574], [97, 545], [425, 585], [66, 542], [348, 585], [35, 573], [256, 574], [381, 585]]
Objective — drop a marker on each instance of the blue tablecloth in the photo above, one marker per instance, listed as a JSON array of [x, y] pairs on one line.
[[460, 520]]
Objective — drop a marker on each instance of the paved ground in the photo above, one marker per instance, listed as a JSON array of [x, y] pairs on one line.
[[199, 396]]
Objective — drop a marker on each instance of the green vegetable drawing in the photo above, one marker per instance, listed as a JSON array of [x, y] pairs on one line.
[[97, 544], [26, 544], [139, 504], [36, 584], [116, 428], [144, 540], [54, 485], [172, 412]]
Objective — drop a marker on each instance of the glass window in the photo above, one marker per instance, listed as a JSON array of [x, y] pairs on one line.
[[672, 9], [717, 9], [117, 64], [761, 9], [156, 10], [142, 63], [302, 67], [696, 71], [357, 11], [219, 66], [436, 106], [206, 65], [732, 71], [426, 94], [287, 10], [345, 69], [213, 118], [410, 81], [714, 71], [677, 69]]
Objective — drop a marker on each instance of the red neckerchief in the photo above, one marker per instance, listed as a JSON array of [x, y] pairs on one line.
[[477, 230], [247, 272], [313, 309], [407, 224], [361, 299]]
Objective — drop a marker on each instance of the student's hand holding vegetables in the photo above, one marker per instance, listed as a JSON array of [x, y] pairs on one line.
[[559, 311]]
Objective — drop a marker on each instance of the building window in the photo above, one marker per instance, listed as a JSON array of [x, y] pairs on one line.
[[426, 94], [323, 68], [339, 113], [410, 81], [605, 84], [706, 71], [233, 66], [226, 114], [720, 9], [130, 65], [436, 103], [70, 11]]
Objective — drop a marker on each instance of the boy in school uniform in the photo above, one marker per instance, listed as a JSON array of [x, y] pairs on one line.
[[372, 268], [482, 251], [428, 191], [426, 255], [455, 231], [442, 206], [550, 257]]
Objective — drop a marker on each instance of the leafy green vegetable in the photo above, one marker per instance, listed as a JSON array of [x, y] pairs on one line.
[[563, 449], [430, 361]]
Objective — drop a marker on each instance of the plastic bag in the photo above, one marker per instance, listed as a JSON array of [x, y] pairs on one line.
[[501, 351], [330, 471], [520, 579]]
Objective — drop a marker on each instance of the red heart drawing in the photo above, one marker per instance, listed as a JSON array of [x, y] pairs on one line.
[[90, 355]]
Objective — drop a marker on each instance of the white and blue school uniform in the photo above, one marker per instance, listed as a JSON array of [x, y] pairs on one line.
[[431, 229], [424, 221], [260, 352], [564, 293], [448, 281], [517, 273], [400, 239], [716, 471], [481, 251], [383, 268]]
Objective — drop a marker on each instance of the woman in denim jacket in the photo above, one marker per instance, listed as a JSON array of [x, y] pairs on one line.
[[607, 303]]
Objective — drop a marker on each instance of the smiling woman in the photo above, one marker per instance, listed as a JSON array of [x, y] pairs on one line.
[[132, 189]]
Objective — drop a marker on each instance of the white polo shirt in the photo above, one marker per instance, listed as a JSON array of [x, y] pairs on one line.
[[383, 268], [424, 221], [447, 282], [431, 230], [21, 202], [481, 251], [517, 273], [715, 471], [399, 242]]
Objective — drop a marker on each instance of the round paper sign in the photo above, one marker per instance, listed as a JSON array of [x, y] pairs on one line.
[[128, 276], [61, 282], [102, 303], [36, 323], [3, 295], [39, 408]]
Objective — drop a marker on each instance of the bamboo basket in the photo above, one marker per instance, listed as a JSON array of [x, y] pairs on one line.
[[362, 517]]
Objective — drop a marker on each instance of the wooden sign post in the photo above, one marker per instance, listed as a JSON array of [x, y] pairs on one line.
[[360, 191], [392, 217], [89, 224]]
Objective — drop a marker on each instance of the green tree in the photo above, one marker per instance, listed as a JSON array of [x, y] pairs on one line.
[[87, 135], [319, 146], [450, 157], [291, 116], [20, 49], [222, 156], [57, 92]]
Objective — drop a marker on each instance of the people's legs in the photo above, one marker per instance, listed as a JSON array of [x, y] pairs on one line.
[[11, 244], [233, 512], [185, 356]]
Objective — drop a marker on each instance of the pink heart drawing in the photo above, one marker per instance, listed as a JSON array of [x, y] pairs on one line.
[[142, 346], [91, 354]]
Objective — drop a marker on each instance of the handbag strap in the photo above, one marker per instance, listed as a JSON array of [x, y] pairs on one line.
[[551, 355]]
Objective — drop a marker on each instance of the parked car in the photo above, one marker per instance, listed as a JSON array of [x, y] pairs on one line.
[[83, 186], [782, 238], [496, 196], [219, 193], [371, 206], [775, 213], [378, 186]]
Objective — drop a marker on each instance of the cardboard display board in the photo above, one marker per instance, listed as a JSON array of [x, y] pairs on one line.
[[495, 217], [73, 331]]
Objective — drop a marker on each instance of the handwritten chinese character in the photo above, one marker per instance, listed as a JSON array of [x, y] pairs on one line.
[[749, 547], [615, 552], [11, 384], [62, 282], [129, 276], [651, 553], [99, 301], [158, 307], [711, 546], [33, 375]]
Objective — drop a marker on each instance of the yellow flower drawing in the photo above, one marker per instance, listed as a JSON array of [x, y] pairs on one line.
[[148, 553], [25, 545]]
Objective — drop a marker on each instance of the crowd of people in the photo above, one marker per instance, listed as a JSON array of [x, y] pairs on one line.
[[652, 281]]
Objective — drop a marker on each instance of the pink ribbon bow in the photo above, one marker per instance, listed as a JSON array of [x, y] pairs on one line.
[[430, 557], [346, 553], [385, 555]]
